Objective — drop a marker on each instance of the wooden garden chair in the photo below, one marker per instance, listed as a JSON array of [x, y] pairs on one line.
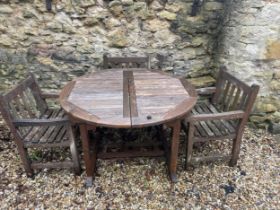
[[222, 117], [35, 125], [125, 62]]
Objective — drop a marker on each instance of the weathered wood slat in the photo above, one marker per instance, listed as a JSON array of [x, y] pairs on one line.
[[47, 145], [210, 124], [218, 123], [132, 96], [135, 145], [203, 124], [61, 135], [230, 97], [36, 133], [32, 102], [236, 99], [206, 91], [129, 154], [65, 164], [225, 123], [224, 94], [210, 138], [36, 92], [52, 132], [125, 62], [126, 102], [242, 101], [199, 131], [27, 105], [22, 113]]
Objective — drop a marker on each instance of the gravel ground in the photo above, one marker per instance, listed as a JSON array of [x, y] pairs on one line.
[[142, 183]]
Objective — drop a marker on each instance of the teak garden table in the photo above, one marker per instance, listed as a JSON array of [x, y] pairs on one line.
[[127, 98]]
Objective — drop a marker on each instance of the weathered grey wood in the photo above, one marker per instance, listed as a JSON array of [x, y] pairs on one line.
[[218, 116], [129, 154], [224, 117], [176, 127], [240, 129], [65, 164], [128, 98], [4, 108], [125, 62], [33, 124], [126, 105], [74, 150], [236, 99], [132, 97], [225, 122], [49, 95], [149, 98], [89, 158], [206, 91]]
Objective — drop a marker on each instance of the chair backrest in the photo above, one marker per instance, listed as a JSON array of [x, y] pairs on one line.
[[232, 94], [125, 62], [22, 102]]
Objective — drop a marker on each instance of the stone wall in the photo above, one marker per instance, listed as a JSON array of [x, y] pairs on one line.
[[250, 48], [71, 40]]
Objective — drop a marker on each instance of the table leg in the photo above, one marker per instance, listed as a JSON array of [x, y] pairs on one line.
[[176, 127], [89, 156]]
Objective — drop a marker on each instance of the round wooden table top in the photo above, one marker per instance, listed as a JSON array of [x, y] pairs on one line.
[[126, 98]]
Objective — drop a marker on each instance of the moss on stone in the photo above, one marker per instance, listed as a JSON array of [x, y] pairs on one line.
[[204, 81]]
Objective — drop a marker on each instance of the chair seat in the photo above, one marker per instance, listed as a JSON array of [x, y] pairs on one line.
[[212, 129], [48, 136]]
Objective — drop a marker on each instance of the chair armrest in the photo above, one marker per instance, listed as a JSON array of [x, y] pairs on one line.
[[50, 95], [40, 122], [217, 116], [206, 91]]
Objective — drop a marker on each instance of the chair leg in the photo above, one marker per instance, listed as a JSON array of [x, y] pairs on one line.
[[74, 152], [235, 151], [26, 161], [189, 145], [237, 144]]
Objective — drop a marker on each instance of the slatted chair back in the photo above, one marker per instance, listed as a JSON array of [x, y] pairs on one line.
[[125, 62], [232, 94], [26, 113], [23, 102]]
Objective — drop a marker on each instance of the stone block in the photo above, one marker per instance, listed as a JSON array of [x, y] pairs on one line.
[[156, 25], [167, 15], [5, 9], [265, 107], [91, 21], [210, 6], [6, 41], [205, 81], [127, 2], [273, 50], [275, 85], [118, 38], [274, 128], [175, 7]]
